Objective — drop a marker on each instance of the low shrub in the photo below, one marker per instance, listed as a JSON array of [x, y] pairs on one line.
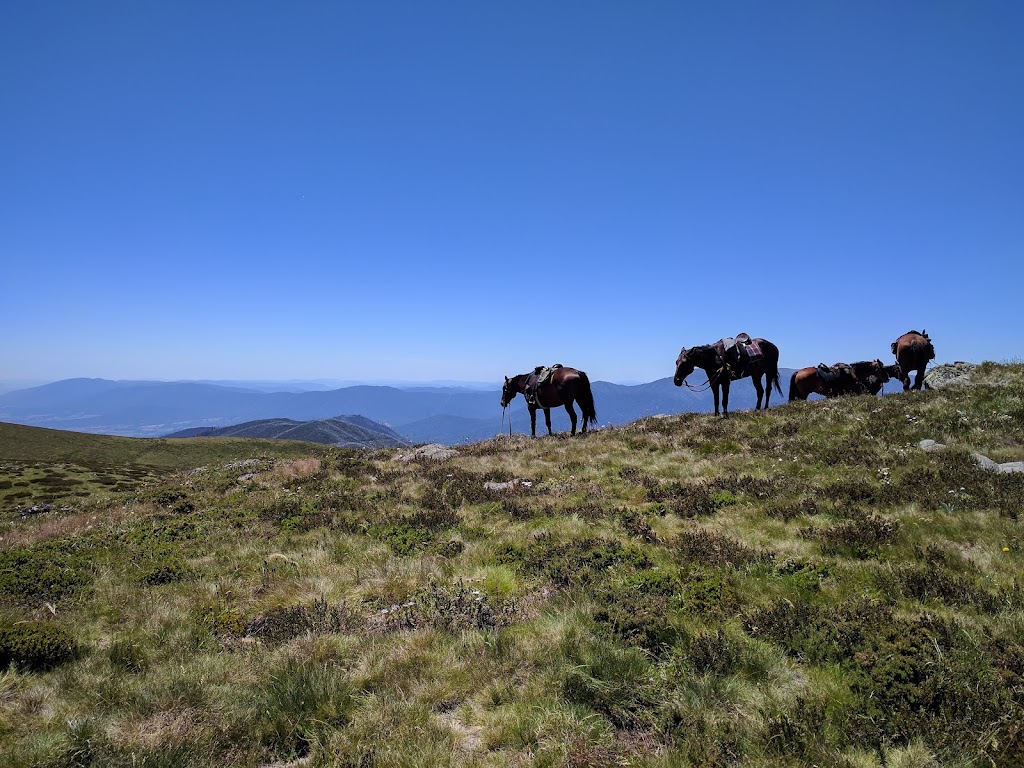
[[572, 563], [281, 624], [451, 607], [710, 548], [47, 572], [862, 537], [36, 645]]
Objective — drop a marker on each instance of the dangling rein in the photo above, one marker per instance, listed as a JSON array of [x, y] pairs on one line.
[[502, 429], [712, 380]]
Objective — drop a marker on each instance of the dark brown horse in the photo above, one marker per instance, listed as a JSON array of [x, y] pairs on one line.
[[866, 376], [564, 386], [913, 350], [723, 366]]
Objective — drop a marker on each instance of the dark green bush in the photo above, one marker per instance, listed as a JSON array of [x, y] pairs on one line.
[[47, 572], [36, 645], [862, 537], [572, 563]]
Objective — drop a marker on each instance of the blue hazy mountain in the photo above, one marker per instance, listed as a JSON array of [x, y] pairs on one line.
[[420, 413]]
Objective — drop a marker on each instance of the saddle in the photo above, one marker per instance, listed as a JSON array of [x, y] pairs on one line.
[[838, 378], [739, 352], [541, 375]]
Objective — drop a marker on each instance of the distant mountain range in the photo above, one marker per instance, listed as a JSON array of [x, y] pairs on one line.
[[439, 414], [343, 431]]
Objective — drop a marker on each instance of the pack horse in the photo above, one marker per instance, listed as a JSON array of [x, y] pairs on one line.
[[728, 360], [913, 351], [547, 388]]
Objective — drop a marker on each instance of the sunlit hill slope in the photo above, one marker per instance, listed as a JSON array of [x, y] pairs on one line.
[[793, 587]]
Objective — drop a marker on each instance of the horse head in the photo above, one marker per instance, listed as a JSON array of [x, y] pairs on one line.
[[509, 390], [880, 368], [684, 367], [894, 371]]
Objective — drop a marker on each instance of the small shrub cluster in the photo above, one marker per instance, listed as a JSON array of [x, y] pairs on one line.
[[918, 677], [406, 536], [692, 499], [714, 549], [637, 609], [715, 653], [862, 537], [450, 607], [36, 645], [46, 572], [572, 563], [790, 509], [636, 524], [281, 624]]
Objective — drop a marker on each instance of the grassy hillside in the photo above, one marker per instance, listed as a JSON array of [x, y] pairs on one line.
[[49, 466], [802, 586]]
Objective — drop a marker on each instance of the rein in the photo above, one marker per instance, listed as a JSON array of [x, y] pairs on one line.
[[712, 380]]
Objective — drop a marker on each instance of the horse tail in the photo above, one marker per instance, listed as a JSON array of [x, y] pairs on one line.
[[794, 393], [772, 376], [586, 398]]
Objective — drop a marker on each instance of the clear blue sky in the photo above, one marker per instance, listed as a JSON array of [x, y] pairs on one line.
[[460, 190]]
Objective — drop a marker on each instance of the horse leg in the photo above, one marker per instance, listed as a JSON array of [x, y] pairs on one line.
[[905, 377], [533, 421], [714, 389], [760, 391], [547, 420], [919, 379], [572, 417], [725, 399]]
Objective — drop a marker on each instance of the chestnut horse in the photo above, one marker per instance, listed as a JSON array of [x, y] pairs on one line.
[[712, 359], [563, 387], [866, 376], [913, 350]]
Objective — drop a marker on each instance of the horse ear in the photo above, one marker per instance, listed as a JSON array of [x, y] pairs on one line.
[[506, 379]]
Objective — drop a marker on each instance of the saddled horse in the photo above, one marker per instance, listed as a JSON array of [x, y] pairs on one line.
[[913, 350], [722, 367], [865, 376], [564, 386]]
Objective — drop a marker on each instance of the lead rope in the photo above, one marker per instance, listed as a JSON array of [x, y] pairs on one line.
[[502, 428], [711, 380]]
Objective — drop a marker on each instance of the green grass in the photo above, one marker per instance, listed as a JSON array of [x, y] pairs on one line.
[[801, 586]]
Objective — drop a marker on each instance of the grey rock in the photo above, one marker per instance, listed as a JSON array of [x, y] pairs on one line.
[[511, 485], [1011, 466], [434, 451], [985, 462], [35, 509], [949, 374], [930, 446]]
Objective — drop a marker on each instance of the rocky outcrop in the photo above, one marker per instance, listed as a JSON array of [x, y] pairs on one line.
[[930, 446], [949, 374], [434, 451]]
